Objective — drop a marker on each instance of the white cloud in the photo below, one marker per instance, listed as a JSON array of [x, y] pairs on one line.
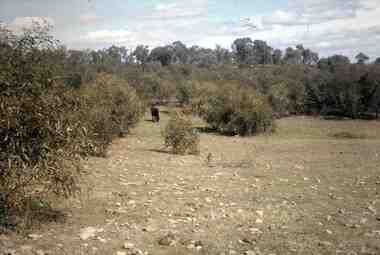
[[159, 24], [117, 36], [87, 19], [20, 23], [178, 10], [326, 26], [301, 12]]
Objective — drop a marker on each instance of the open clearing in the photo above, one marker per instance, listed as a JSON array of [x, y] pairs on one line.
[[303, 190]]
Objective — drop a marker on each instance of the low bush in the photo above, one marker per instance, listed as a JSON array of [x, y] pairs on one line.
[[181, 136]]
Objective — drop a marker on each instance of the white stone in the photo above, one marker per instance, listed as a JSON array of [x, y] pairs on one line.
[[89, 232], [260, 213], [128, 245]]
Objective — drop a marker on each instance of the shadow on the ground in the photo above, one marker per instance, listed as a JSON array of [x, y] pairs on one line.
[[213, 131], [21, 221], [164, 111], [206, 130], [160, 151], [48, 215]]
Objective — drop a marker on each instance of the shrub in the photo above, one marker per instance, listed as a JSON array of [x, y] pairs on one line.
[[279, 99], [109, 107], [46, 127], [181, 136], [238, 111], [37, 150]]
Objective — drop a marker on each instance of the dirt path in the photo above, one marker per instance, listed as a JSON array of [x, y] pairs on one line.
[[263, 195]]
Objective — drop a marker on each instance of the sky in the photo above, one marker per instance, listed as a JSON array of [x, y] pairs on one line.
[[326, 26]]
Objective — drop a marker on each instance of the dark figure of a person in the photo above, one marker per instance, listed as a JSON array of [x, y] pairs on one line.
[[155, 114]]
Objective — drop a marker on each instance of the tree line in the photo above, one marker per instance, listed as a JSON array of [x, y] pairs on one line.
[[312, 85]]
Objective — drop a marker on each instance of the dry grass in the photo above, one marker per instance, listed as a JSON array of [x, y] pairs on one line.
[[279, 194]]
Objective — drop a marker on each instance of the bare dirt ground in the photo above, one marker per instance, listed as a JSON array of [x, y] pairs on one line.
[[299, 191]]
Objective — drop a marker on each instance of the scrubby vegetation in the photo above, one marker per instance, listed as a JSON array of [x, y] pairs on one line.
[[180, 135], [238, 111], [47, 126], [109, 108], [59, 105]]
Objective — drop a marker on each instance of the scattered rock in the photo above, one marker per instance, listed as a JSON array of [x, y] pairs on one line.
[[255, 231], [26, 248], [198, 244], [299, 167], [167, 240], [245, 240], [328, 231], [190, 246], [34, 236], [259, 221], [249, 252], [372, 209], [131, 202], [102, 240], [127, 245], [10, 252], [260, 213], [149, 229], [89, 232], [324, 243], [40, 252]]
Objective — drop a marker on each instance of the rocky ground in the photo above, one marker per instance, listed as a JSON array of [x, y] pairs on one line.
[[299, 191]]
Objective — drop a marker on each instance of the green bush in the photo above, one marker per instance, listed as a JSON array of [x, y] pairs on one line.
[[238, 111], [37, 142], [181, 136], [110, 107]]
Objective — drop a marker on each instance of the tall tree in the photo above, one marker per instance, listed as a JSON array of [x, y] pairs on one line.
[[277, 56], [308, 56], [262, 53], [333, 62], [361, 58], [180, 52], [223, 56], [163, 54], [141, 53], [293, 56], [243, 50]]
